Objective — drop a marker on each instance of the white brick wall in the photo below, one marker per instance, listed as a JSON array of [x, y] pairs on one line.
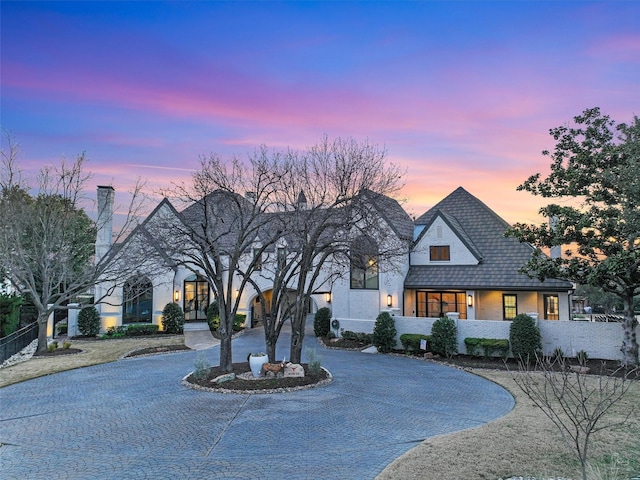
[[600, 340]]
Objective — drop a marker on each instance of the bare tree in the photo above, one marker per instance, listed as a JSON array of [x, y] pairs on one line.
[[47, 242], [575, 402], [217, 233], [327, 198]]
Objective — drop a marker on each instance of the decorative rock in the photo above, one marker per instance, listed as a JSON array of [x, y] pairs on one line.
[[272, 367], [224, 378], [293, 370], [428, 356]]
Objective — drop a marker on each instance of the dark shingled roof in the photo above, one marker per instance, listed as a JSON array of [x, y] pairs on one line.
[[482, 231]]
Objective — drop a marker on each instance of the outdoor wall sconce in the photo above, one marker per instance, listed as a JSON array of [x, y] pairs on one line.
[[176, 296], [237, 292], [470, 300], [389, 300], [327, 297]]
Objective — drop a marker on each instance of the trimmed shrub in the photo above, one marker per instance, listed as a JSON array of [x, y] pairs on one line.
[[411, 342], [172, 318], [357, 336], [444, 337], [488, 346], [62, 328], [89, 321], [238, 322], [213, 316], [384, 333], [525, 337], [140, 329], [322, 322]]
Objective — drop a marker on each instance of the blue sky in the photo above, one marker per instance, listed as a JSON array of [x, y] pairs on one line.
[[460, 93]]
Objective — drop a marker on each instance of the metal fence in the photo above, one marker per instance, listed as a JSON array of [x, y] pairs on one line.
[[12, 344]]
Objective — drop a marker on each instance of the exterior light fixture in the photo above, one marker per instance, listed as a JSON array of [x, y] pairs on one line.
[[327, 297], [389, 300], [237, 292], [176, 295], [470, 300]]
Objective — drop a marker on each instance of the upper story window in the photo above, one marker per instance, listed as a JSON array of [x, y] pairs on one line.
[[439, 253], [364, 264], [509, 306]]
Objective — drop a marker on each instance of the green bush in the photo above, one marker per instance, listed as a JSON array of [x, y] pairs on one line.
[[62, 328], [444, 337], [213, 316], [524, 337], [52, 347], [314, 361], [172, 318], [140, 329], [384, 333], [238, 322], [411, 342], [9, 314], [488, 346], [357, 336], [322, 322], [89, 321]]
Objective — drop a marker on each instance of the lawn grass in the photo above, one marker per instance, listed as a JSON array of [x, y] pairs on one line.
[[522, 443], [94, 352]]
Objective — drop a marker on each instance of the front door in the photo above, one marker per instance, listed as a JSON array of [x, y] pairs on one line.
[[196, 299]]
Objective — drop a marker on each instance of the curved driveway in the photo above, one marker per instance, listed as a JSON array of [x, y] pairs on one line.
[[132, 419]]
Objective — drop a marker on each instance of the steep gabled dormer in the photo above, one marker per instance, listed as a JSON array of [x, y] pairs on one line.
[[443, 241]]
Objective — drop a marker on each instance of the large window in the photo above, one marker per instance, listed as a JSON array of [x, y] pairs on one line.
[[438, 304], [364, 264], [439, 253], [196, 298], [509, 306], [551, 311], [137, 301]]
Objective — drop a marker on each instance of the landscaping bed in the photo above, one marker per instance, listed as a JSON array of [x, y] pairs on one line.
[[58, 352], [156, 350], [261, 385]]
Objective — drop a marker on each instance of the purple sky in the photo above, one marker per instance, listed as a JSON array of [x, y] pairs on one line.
[[460, 93]]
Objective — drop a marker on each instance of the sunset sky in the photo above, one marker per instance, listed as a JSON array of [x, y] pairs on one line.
[[460, 93]]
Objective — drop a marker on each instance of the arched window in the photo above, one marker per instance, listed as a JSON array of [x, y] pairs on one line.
[[364, 263], [137, 301]]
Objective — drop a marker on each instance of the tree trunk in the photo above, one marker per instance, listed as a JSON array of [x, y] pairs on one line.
[[42, 331], [226, 332], [297, 335], [629, 341]]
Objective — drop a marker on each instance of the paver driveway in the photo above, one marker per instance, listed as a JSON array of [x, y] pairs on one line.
[[132, 419]]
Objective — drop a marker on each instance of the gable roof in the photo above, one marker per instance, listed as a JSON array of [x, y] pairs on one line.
[[482, 231]]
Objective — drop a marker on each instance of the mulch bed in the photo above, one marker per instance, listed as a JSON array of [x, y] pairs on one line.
[[596, 366], [58, 352], [343, 344], [263, 385], [156, 350]]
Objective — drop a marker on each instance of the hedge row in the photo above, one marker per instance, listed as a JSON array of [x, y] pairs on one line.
[[411, 342], [488, 346]]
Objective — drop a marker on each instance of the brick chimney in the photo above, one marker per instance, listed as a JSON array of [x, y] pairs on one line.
[[105, 221]]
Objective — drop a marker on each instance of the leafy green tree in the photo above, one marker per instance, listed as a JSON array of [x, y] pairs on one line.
[[595, 172]]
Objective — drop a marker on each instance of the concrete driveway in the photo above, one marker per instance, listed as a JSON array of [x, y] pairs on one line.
[[132, 419]]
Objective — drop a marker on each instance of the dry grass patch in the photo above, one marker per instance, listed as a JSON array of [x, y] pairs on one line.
[[523, 442], [94, 352]]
